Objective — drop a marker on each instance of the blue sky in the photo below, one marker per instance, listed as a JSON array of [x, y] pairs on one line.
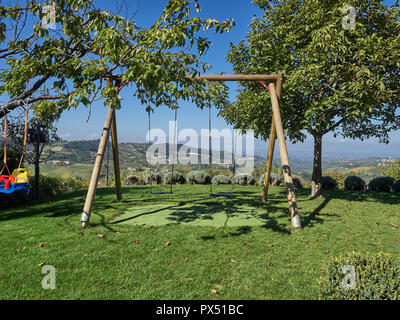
[[132, 118]]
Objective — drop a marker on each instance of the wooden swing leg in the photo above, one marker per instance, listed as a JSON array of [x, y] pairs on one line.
[[271, 145], [268, 166], [294, 214]]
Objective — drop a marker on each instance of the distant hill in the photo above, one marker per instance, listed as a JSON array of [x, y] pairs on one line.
[[132, 155]]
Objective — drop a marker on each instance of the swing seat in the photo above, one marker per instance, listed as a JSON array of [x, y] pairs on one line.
[[221, 194], [21, 175], [18, 181], [161, 192]]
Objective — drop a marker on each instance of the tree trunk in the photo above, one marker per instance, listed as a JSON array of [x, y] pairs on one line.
[[317, 167]]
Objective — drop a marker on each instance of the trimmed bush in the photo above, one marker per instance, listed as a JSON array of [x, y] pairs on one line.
[[376, 277], [49, 187], [154, 178], [274, 180], [131, 180], [396, 186], [297, 183], [175, 178], [221, 179], [244, 180], [198, 177], [383, 184], [328, 183], [354, 183]]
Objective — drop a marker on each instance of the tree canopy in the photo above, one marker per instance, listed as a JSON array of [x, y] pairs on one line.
[[89, 44], [339, 80]]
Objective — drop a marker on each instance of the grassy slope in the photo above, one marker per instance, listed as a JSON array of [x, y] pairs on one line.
[[264, 260]]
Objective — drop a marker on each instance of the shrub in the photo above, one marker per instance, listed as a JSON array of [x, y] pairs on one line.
[[328, 183], [221, 179], [274, 180], [198, 177], [377, 277], [354, 183], [297, 183], [396, 186], [244, 179], [174, 178], [153, 178], [340, 177], [381, 184], [131, 180], [49, 187]]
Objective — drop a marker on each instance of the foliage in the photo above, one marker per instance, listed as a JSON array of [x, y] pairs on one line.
[[390, 169], [198, 177], [154, 178], [381, 184], [90, 44], [297, 183], [338, 80], [377, 277], [221, 179], [49, 188], [340, 177], [396, 186], [274, 179], [131, 180], [244, 180], [174, 178], [354, 183], [328, 183]]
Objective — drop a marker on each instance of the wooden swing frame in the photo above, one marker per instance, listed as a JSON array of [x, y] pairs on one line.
[[277, 132]]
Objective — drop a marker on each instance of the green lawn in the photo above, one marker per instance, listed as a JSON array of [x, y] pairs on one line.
[[217, 248]]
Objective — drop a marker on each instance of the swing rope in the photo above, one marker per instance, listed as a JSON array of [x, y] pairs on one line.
[[233, 155], [25, 137], [5, 149], [173, 158]]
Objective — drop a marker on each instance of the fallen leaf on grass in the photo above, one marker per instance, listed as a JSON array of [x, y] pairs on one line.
[[100, 235], [137, 241], [184, 258], [99, 259], [167, 243], [271, 245], [213, 291], [392, 224], [41, 244], [324, 235], [94, 283], [326, 251], [190, 279], [306, 246], [41, 264], [234, 261]]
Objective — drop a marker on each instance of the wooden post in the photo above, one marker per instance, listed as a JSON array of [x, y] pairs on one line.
[[117, 172], [97, 165], [271, 144], [294, 214], [268, 165]]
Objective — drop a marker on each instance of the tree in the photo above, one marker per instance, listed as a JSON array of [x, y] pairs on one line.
[[89, 44], [338, 79]]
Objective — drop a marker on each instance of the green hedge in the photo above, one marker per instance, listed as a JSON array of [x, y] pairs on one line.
[[381, 184], [244, 179], [328, 183], [221, 179], [198, 177], [154, 178], [396, 186], [174, 178], [354, 183], [376, 277]]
